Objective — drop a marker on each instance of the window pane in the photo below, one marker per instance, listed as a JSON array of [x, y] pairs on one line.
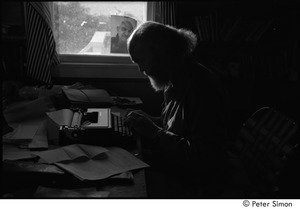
[[90, 27]]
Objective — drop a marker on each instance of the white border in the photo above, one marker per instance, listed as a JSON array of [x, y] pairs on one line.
[[145, 204]]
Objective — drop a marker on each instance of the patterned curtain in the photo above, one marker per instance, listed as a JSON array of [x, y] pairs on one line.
[[165, 12], [41, 52]]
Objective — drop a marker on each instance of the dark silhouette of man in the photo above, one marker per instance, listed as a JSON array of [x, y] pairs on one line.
[[188, 139]]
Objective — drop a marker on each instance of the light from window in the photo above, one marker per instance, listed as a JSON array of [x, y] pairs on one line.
[[91, 28]]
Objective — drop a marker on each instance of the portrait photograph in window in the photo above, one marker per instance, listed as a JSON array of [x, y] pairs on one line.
[[121, 29], [86, 28]]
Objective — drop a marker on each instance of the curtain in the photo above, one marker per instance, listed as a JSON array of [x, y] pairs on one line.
[[165, 12], [41, 52]]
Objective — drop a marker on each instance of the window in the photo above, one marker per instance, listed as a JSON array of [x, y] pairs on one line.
[[85, 33]]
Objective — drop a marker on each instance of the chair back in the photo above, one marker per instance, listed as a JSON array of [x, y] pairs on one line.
[[266, 142]]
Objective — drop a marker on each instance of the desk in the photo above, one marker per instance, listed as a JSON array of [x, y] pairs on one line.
[[20, 179]]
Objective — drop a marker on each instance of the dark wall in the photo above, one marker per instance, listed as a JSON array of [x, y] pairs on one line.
[[248, 86]]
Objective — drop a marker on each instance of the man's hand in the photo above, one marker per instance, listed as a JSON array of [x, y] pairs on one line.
[[141, 122]]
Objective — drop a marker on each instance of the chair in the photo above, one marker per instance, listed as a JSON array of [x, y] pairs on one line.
[[266, 150]]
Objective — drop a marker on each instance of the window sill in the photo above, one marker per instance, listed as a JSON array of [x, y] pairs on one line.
[[97, 70]]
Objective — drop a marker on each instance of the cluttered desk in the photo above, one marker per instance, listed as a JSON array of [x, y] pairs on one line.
[[71, 143]]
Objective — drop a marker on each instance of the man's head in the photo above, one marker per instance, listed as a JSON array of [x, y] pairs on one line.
[[159, 50], [124, 30]]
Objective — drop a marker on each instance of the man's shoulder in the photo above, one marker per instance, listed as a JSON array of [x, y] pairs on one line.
[[197, 76], [202, 82]]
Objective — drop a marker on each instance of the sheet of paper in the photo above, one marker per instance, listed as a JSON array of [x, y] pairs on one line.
[[40, 139], [118, 111], [43, 192], [31, 133], [103, 120], [132, 100], [17, 155], [74, 152], [24, 132], [12, 152], [61, 117], [117, 161]]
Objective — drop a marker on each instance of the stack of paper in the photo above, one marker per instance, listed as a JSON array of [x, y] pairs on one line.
[[30, 133], [28, 119]]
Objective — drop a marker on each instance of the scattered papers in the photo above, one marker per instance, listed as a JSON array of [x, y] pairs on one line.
[[118, 161], [69, 153], [88, 162]]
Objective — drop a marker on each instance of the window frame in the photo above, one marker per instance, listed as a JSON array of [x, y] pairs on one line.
[[100, 66]]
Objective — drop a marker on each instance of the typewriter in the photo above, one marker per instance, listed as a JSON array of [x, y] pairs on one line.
[[96, 126]]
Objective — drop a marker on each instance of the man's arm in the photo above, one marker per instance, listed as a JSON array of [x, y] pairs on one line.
[[155, 119], [203, 136]]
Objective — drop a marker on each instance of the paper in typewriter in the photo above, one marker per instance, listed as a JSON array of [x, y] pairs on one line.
[[71, 118], [63, 117], [103, 119]]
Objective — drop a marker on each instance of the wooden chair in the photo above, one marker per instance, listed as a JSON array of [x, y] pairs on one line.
[[267, 149]]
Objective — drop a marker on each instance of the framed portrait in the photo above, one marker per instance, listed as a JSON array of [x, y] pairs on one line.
[[121, 29]]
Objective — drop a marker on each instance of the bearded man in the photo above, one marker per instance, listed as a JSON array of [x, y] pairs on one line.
[[189, 137]]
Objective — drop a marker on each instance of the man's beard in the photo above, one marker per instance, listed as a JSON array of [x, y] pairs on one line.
[[157, 84]]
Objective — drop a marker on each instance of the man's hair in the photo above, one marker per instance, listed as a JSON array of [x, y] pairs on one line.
[[127, 23], [164, 38]]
